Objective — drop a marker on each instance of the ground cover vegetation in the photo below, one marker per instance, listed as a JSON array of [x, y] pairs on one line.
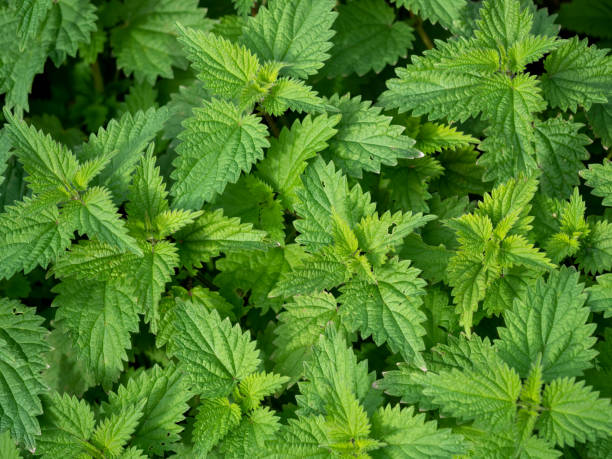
[[305, 228]]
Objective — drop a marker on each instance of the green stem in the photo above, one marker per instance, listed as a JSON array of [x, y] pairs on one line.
[[271, 124], [97, 77], [418, 25]]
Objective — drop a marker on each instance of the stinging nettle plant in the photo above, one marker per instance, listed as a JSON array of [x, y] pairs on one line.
[[305, 228]]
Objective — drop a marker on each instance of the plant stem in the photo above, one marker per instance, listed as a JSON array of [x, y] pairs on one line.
[[418, 25], [271, 124], [98, 81]]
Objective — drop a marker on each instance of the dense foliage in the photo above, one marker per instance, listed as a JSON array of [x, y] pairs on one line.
[[305, 228]]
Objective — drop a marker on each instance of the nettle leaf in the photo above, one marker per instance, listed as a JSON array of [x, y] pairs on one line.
[[368, 30], [101, 330], [96, 215], [225, 67], [388, 308], [70, 24], [485, 391], [600, 117], [124, 140], [600, 295], [231, 141], [549, 323], [287, 157], [253, 433], [165, 394], [49, 164], [145, 44], [215, 355], [446, 12], [68, 424], [577, 74], [215, 418], [326, 192], [559, 151], [290, 93], [213, 233], [406, 434], [366, 139], [295, 33], [596, 255], [300, 324], [151, 273], [573, 412], [332, 370], [8, 448], [599, 177], [22, 350], [31, 234]]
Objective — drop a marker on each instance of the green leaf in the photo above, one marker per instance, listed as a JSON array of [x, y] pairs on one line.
[[502, 23], [600, 295], [66, 427], [215, 355], [295, 33], [288, 154], [600, 117], [146, 43], [596, 255], [243, 7], [31, 14], [215, 418], [599, 177], [549, 323], [572, 412], [290, 93], [577, 74], [218, 143], [314, 273], [113, 433], [486, 391], [446, 12], [151, 273], [432, 137], [587, 16], [368, 37], [256, 386], [31, 234], [165, 397], [388, 308], [99, 317], [92, 259], [326, 192], [22, 348], [18, 67], [366, 139], [406, 434], [333, 369], [253, 433], [302, 437], [560, 150], [254, 274], [8, 448], [226, 68], [50, 165], [70, 24], [213, 233], [300, 324], [254, 201], [96, 215], [124, 140]]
